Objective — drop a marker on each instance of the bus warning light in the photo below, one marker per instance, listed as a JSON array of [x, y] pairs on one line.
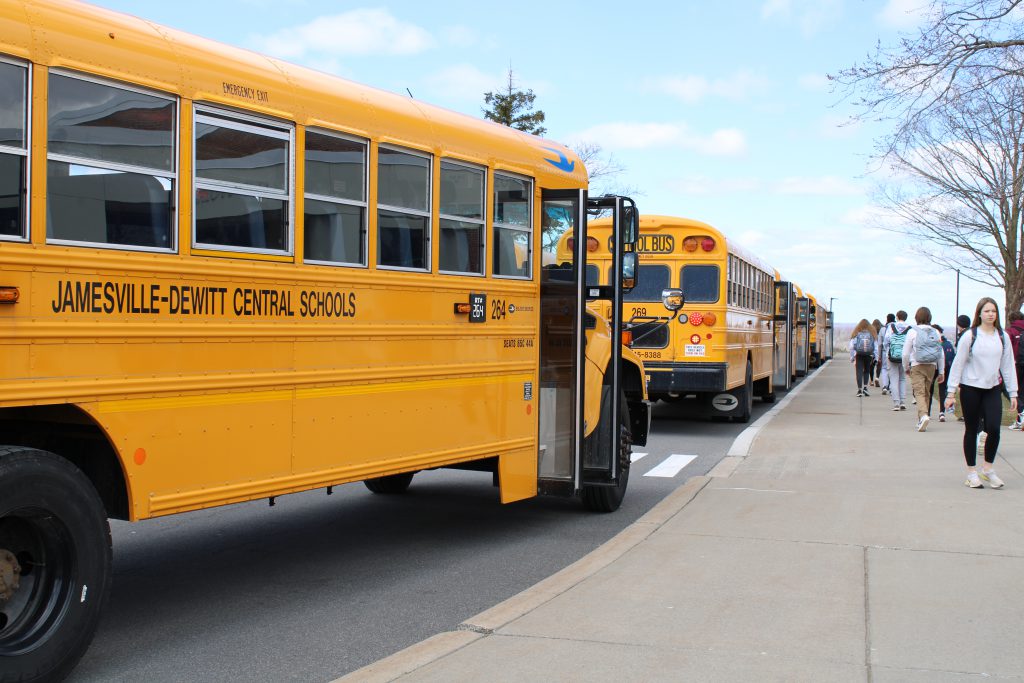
[[9, 295], [707, 244]]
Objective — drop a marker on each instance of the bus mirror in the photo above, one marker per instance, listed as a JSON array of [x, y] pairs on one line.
[[629, 222], [628, 271], [672, 298]]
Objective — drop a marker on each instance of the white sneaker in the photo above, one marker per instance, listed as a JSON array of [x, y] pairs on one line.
[[942, 417], [973, 481], [922, 424], [895, 407], [992, 479], [1016, 425]]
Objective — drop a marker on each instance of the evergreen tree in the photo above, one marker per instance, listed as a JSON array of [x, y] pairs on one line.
[[514, 108]]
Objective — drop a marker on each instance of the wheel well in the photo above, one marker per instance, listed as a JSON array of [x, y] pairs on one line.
[[69, 432], [632, 383]]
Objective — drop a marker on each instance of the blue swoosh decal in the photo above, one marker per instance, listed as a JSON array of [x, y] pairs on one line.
[[563, 163]]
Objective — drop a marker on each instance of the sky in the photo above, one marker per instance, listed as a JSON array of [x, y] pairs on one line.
[[718, 111]]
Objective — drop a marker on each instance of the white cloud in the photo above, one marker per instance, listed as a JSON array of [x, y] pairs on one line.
[[810, 15], [632, 135], [824, 185], [815, 82], [702, 185], [358, 32], [691, 88], [463, 82], [902, 14]]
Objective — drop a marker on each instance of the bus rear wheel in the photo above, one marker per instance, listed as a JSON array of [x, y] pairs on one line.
[[391, 484], [746, 397], [609, 498], [55, 564]]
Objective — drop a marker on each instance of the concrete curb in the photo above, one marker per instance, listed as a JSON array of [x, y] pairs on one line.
[[488, 621], [741, 445]]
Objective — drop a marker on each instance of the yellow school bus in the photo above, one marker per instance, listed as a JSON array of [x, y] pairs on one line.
[[719, 347], [225, 278], [816, 325]]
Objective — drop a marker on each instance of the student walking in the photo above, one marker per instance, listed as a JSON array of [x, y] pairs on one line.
[[895, 339], [1014, 330], [874, 368], [923, 361], [889, 320], [863, 346], [947, 356], [982, 355]]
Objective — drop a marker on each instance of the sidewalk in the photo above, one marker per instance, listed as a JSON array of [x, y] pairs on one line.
[[843, 547]]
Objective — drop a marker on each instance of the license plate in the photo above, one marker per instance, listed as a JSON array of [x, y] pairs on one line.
[[695, 350]]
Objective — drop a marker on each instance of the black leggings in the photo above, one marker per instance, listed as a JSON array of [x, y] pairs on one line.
[[863, 370], [978, 404]]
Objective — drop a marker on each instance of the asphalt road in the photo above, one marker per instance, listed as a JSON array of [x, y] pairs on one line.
[[319, 585]]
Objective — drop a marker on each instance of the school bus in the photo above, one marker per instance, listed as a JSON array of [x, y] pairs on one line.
[[816, 320], [719, 348], [802, 333], [784, 333], [225, 278]]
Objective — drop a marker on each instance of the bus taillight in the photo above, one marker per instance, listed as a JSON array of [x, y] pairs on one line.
[[710, 319], [707, 244]]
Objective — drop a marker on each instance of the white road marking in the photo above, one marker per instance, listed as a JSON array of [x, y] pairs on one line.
[[671, 465], [633, 457]]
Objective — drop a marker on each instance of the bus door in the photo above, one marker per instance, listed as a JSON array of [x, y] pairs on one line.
[[563, 325], [782, 363], [803, 305]]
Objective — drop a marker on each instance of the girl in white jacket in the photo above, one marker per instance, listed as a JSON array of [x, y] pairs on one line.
[[982, 355]]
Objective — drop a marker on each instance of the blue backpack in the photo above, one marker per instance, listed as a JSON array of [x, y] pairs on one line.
[[948, 351], [896, 340], [864, 343]]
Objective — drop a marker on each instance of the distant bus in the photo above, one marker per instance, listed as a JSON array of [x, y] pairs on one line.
[[719, 349], [225, 278]]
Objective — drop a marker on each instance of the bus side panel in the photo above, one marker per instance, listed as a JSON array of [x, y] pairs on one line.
[[517, 475]]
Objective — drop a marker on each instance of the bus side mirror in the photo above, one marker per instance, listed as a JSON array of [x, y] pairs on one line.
[[673, 299], [629, 221], [628, 271]]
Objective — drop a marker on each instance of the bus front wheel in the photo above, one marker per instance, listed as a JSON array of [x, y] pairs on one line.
[[55, 559], [609, 498], [391, 484]]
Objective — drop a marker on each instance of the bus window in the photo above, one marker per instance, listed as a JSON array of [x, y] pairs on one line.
[[243, 187], [13, 149], [110, 165], [699, 283], [335, 207], [403, 209], [652, 280], [593, 275], [462, 218], [513, 246]]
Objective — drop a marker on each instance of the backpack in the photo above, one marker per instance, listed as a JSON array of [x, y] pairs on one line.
[[896, 340], [947, 348], [863, 343], [927, 347], [974, 338]]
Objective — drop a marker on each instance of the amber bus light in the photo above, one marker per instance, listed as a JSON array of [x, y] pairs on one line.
[[9, 295]]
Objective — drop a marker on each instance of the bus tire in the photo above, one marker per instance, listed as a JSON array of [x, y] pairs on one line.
[[55, 564], [609, 498], [391, 484], [746, 397]]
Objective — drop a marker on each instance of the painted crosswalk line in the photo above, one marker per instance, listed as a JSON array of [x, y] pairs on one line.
[[633, 457], [671, 465]]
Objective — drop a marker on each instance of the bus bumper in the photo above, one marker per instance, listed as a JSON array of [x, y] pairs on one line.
[[694, 377]]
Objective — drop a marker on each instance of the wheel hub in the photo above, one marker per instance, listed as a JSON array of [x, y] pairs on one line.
[[10, 575]]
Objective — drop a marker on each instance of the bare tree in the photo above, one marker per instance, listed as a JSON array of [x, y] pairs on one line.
[[603, 170], [958, 183], [962, 46]]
